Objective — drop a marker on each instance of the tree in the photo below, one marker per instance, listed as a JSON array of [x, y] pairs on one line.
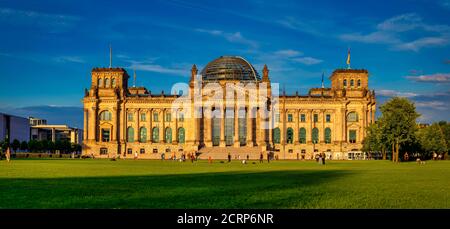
[[398, 123], [15, 145], [432, 139], [23, 146]]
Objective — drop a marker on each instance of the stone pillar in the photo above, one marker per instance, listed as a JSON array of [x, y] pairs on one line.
[[311, 126], [344, 125], [115, 125], [249, 126], [322, 132], [161, 127], [207, 126], [236, 127], [259, 130], [53, 135], [373, 113], [222, 127], [85, 124], [150, 129], [297, 127], [136, 122], [281, 125], [92, 124]]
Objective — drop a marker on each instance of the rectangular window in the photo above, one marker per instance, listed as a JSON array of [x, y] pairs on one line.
[[105, 135], [168, 117], [290, 118], [155, 150], [142, 151], [328, 118], [129, 151], [103, 151], [155, 117], [130, 117], [277, 117], [352, 136], [181, 117], [316, 118], [302, 118], [143, 117]]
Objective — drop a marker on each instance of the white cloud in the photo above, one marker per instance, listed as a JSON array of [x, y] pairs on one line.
[[438, 105], [392, 93], [56, 22], [392, 32], [416, 45], [307, 60], [433, 78], [74, 59], [149, 66], [287, 53], [235, 37]]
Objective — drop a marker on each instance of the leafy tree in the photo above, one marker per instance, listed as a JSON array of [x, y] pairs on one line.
[[23, 146], [432, 139], [375, 140], [398, 123], [15, 145]]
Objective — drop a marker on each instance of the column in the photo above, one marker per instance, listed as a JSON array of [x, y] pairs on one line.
[[297, 127], [164, 125], [309, 132], [53, 135], [236, 127], [85, 124], [207, 126], [374, 111], [150, 129], [259, 131], [249, 125], [281, 125], [161, 127], [222, 128], [92, 124], [322, 132], [116, 124], [136, 122], [344, 124]]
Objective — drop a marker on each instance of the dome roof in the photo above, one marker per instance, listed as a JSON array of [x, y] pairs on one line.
[[229, 68]]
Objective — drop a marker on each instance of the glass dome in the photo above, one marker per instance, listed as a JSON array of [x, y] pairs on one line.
[[230, 68]]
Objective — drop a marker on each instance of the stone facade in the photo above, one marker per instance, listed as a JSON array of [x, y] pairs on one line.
[[122, 120]]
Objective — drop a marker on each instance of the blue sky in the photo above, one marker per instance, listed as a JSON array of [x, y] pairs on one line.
[[47, 48]]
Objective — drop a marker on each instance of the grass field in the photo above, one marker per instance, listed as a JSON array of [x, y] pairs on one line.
[[79, 183]]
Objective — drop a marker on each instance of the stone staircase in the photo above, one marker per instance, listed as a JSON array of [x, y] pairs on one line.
[[221, 153]]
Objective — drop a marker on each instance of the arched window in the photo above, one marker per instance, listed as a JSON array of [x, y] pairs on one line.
[[106, 82], [155, 135], [352, 117], [302, 135], [130, 134], [359, 83], [100, 82], [276, 135], [345, 83], [143, 134], [352, 83], [113, 82], [181, 135], [105, 116], [327, 135], [168, 135], [315, 135], [289, 135]]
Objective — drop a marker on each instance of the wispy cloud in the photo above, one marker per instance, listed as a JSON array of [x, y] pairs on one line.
[[285, 53], [74, 59], [393, 32], [235, 37], [307, 60], [150, 66], [55, 22], [438, 105], [433, 78], [392, 93], [300, 25]]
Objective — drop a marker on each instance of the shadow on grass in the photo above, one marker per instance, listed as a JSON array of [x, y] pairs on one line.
[[274, 189]]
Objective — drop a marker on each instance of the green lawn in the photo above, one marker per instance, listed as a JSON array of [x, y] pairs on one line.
[[76, 183]]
